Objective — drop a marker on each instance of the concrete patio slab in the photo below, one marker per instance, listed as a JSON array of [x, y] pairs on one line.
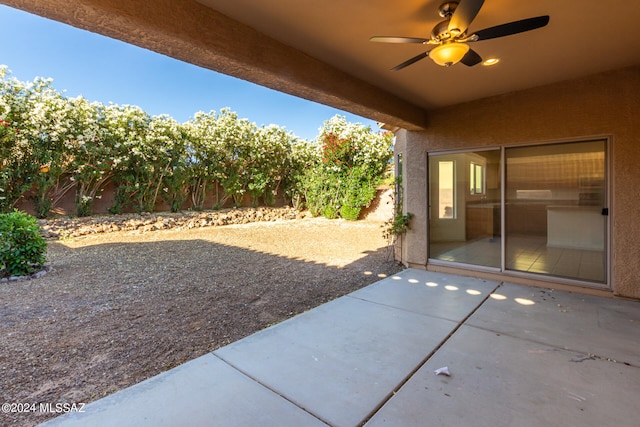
[[341, 360], [499, 380], [518, 356], [606, 327], [433, 294], [203, 392]]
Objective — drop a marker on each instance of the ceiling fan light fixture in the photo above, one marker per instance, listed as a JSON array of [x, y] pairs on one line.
[[448, 54]]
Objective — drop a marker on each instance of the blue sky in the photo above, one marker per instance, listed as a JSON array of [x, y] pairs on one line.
[[106, 70]]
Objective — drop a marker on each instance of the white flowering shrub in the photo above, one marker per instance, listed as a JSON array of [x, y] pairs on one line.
[[304, 156], [269, 163], [50, 145], [139, 161], [220, 143], [48, 127], [92, 153], [18, 165], [176, 174]]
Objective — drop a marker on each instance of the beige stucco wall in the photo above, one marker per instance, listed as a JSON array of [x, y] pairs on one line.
[[607, 104]]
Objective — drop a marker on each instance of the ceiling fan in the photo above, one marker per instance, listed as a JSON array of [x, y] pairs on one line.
[[451, 39]]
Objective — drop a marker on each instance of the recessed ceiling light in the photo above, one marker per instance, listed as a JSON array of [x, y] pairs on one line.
[[491, 61]]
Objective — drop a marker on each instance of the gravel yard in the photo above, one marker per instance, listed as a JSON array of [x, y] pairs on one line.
[[119, 307]]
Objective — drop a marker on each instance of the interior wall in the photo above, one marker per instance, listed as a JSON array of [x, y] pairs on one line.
[[606, 105]]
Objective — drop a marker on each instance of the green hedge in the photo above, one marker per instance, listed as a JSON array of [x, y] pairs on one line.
[[22, 247]]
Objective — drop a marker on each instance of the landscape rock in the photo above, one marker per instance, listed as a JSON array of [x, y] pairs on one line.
[[59, 228], [36, 275]]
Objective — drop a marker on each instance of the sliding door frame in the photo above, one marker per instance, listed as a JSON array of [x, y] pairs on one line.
[[502, 270]]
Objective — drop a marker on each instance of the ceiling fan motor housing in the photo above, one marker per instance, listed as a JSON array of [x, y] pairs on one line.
[[446, 9], [441, 32]]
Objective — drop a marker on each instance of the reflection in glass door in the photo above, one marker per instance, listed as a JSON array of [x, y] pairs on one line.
[[465, 208], [555, 206]]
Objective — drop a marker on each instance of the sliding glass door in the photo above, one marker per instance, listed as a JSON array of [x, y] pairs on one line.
[[555, 210], [465, 208], [552, 206]]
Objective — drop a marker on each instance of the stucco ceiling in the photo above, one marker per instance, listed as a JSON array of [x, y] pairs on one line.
[[583, 37]]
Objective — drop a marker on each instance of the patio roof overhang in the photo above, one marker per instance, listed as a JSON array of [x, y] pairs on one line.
[[321, 51], [191, 32]]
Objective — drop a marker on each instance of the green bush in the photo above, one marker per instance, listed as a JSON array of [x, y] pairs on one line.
[[329, 212], [358, 191], [22, 247], [353, 160], [351, 213]]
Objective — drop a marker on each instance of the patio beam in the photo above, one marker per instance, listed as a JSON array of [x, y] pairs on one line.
[[191, 32]]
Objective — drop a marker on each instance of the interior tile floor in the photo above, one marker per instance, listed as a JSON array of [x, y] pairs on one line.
[[526, 253]]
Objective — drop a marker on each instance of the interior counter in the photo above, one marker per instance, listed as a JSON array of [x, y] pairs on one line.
[[575, 227]]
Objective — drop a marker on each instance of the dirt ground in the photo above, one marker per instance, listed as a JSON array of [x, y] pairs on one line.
[[118, 308]]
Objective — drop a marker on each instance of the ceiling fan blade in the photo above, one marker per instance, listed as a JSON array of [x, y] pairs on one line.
[[391, 39], [463, 15], [512, 28], [471, 58], [410, 61]]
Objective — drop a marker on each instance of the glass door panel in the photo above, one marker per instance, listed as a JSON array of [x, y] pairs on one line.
[[554, 205], [464, 203]]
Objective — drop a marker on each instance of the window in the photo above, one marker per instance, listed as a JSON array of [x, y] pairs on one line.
[[446, 193], [476, 178]]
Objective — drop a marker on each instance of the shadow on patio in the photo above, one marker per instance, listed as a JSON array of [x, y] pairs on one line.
[[118, 309]]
